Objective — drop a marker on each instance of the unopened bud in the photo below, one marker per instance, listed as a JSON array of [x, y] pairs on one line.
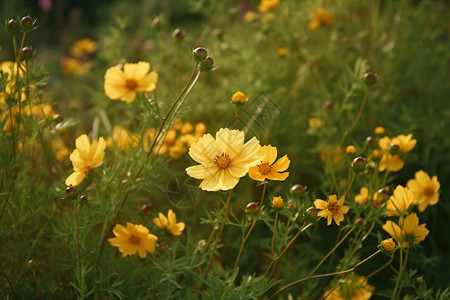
[[298, 189], [147, 209], [27, 53], [83, 199], [370, 78], [329, 105], [58, 117], [350, 149], [156, 23], [388, 245], [292, 205], [372, 140], [178, 35], [312, 211], [382, 195], [359, 164], [359, 222], [380, 130], [277, 202], [206, 64], [161, 246], [27, 23], [394, 149], [71, 191], [199, 54], [252, 207], [13, 26], [239, 98], [32, 264]]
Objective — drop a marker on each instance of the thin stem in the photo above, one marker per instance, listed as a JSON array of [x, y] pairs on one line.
[[398, 284], [236, 119], [38, 286], [77, 210], [323, 275], [380, 268], [9, 281], [355, 122], [274, 232], [227, 205], [351, 183]]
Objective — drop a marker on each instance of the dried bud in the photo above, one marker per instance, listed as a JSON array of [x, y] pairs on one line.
[[370, 78], [178, 35], [27, 53], [206, 64], [372, 140], [199, 54], [71, 191], [252, 207], [147, 209], [359, 164], [298, 189], [329, 105]]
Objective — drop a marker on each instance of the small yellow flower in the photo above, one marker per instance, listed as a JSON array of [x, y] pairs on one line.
[[282, 51], [200, 129], [223, 160], [394, 163], [332, 210], [321, 18], [407, 231], [132, 239], [169, 223], [350, 149], [353, 288], [380, 130], [426, 189], [186, 128], [85, 157], [277, 202], [267, 5], [239, 97], [315, 123], [388, 245], [400, 202], [268, 168], [250, 16], [83, 47], [363, 196], [123, 84]]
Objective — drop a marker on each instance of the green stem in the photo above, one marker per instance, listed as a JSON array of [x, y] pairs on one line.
[[274, 232], [398, 284], [38, 286], [77, 210], [9, 281], [380, 268], [355, 122]]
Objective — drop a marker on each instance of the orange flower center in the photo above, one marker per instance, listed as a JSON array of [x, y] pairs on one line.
[[264, 168], [428, 192], [131, 84], [222, 161], [333, 206], [134, 240]]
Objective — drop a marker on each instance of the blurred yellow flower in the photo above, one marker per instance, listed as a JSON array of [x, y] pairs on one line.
[[353, 288], [169, 223], [186, 128], [72, 65], [123, 84], [282, 51], [399, 145], [350, 149], [315, 123], [267, 5], [122, 138], [321, 18], [132, 239], [408, 230], [224, 160], [85, 157], [268, 168], [388, 245], [277, 202], [400, 202], [363, 196], [332, 210], [250, 16], [83, 47], [426, 189], [379, 130], [60, 149], [239, 97]]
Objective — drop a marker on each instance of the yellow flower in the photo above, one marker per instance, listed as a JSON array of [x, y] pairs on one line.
[[363, 196], [83, 47], [315, 123], [350, 149], [169, 223], [132, 239], [71, 65], [85, 157], [277, 202], [267, 5], [388, 245], [282, 51], [380, 130], [224, 160], [60, 149], [239, 97], [268, 168], [250, 16], [393, 162], [400, 201], [425, 188], [321, 18], [354, 288], [200, 129], [332, 210], [407, 231], [123, 84], [122, 138]]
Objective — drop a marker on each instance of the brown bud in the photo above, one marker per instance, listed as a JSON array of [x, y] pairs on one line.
[[147, 209], [298, 189], [252, 207]]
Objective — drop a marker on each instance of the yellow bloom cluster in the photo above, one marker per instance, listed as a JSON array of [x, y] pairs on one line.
[[78, 62], [320, 18], [393, 149]]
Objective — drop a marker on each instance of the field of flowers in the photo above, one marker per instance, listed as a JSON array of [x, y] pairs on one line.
[[238, 149]]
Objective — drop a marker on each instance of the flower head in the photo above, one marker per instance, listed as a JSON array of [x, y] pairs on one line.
[[400, 201], [321, 18], [408, 230], [277, 202], [363, 196], [350, 149], [332, 210], [83, 47], [353, 288], [267, 5], [169, 223], [425, 188], [388, 245], [268, 168], [85, 157], [379, 130], [123, 84], [132, 239], [239, 98], [393, 162], [223, 160]]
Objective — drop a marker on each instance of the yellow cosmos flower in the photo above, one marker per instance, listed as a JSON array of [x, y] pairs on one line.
[[393, 162], [224, 160], [407, 231], [332, 210], [425, 188], [123, 84], [169, 223], [353, 288], [85, 157], [321, 18], [132, 239], [363, 196], [400, 201], [267, 5], [268, 168]]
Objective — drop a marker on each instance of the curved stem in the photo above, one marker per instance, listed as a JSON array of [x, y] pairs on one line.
[[380, 268], [351, 183], [398, 284], [274, 232], [38, 286], [355, 122]]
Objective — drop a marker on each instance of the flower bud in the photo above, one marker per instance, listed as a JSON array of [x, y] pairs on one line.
[[329, 105], [32, 264], [156, 23], [359, 222], [370, 78], [206, 64], [382, 195], [388, 245], [58, 117], [380, 130], [252, 207], [312, 211], [12, 26], [71, 191], [27, 23], [359, 164], [292, 205], [372, 140], [298, 189], [83, 199], [178, 35], [27, 53], [199, 54], [394, 149], [277, 202], [239, 98], [161, 246], [350, 149], [147, 209]]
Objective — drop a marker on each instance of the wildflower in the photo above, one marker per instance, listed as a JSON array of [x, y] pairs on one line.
[[169, 223], [71, 65], [60, 149], [315, 123], [379, 130], [282, 51], [388, 245], [425, 188], [408, 230], [200, 129], [122, 138], [354, 288], [85, 157], [239, 97], [224, 160], [132, 239], [186, 128], [363, 196], [393, 162], [277, 202], [400, 202], [250, 16], [350, 149], [123, 84], [267, 5], [83, 47], [332, 210], [268, 168], [321, 18]]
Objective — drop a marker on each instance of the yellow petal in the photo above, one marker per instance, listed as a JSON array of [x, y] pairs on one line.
[[75, 178], [202, 171], [230, 142], [281, 165], [205, 150], [320, 204], [277, 176], [255, 174], [269, 153]]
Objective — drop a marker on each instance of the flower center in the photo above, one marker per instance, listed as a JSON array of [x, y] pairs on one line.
[[333, 207], [428, 192], [134, 240], [222, 161], [264, 168], [131, 84]]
